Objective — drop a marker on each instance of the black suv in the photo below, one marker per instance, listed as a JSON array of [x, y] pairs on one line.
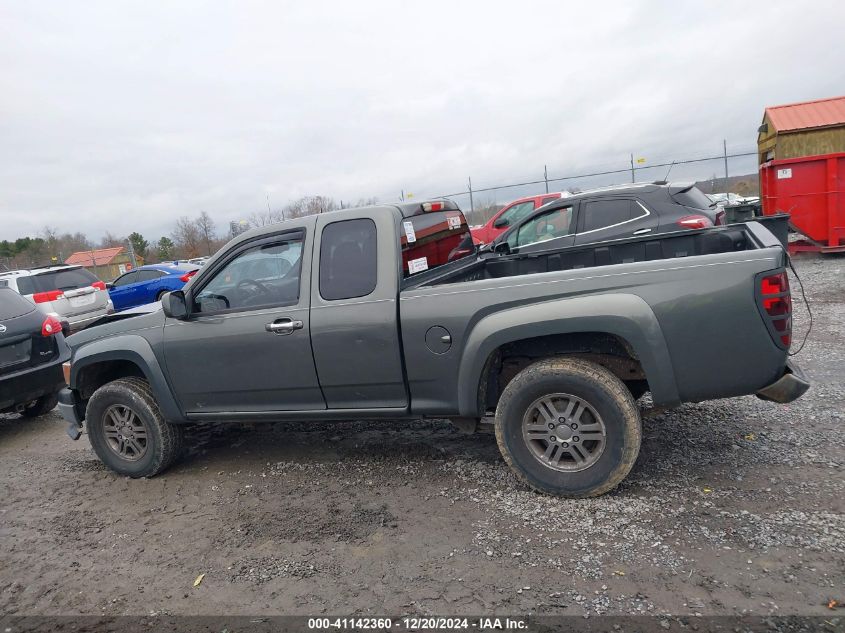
[[612, 213], [32, 350]]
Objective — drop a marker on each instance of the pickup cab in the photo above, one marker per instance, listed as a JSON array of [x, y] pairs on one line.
[[379, 312]]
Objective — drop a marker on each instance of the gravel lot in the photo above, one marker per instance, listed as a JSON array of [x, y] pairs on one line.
[[734, 507]]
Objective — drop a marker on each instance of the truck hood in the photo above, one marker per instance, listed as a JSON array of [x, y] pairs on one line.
[[119, 323]]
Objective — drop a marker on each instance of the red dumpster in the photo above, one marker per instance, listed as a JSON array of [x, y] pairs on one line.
[[812, 190]]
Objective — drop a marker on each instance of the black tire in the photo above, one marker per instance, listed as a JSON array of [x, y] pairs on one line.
[[160, 294], [43, 405], [603, 393], [162, 442]]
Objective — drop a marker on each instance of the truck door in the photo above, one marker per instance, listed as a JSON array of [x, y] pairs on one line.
[[245, 346], [354, 315]]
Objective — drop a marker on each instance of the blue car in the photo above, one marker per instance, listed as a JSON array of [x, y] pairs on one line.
[[147, 284]]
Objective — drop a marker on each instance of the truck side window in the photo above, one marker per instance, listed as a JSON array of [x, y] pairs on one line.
[[348, 259], [261, 276]]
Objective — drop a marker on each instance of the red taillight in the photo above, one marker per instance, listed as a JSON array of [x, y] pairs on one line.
[[777, 302], [694, 222], [50, 295], [51, 326], [99, 285], [774, 284], [187, 276]]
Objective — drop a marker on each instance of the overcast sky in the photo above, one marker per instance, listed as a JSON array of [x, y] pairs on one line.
[[123, 116]]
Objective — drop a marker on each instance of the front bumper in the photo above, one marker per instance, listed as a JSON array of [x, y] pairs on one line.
[[790, 386], [72, 411]]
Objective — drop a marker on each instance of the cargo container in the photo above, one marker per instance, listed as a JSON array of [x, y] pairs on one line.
[[812, 190], [801, 150]]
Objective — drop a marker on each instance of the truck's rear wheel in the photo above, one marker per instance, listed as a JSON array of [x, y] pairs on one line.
[[127, 431], [568, 427]]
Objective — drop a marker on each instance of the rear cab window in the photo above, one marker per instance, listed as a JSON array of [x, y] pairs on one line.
[[62, 279], [348, 259], [430, 239]]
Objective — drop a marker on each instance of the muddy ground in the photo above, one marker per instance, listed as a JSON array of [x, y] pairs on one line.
[[734, 507]]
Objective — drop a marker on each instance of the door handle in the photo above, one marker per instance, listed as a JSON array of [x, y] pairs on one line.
[[283, 326], [641, 231]]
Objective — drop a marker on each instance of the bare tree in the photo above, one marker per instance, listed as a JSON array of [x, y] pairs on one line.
[[483, 211], [206, 226], [187, 237], [309, 205], [111, 240], [263, 218]]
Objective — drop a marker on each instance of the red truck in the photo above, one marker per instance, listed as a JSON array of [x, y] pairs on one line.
[[510, 215]]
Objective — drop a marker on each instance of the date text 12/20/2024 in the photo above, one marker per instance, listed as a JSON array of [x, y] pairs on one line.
[[418, 623]]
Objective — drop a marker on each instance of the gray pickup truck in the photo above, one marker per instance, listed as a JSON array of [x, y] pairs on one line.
[[389, 311]]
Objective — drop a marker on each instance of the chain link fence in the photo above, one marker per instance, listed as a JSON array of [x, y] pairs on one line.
[[481, 203]]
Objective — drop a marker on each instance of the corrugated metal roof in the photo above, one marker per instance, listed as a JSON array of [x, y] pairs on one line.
[[96, 257], [809, 114]]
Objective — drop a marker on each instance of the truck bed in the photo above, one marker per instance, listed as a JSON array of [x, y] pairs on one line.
[[730, 239], [683, 305]]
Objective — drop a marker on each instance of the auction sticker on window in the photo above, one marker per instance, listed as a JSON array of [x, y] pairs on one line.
[[417, 265], [409, 231], [454, 221]]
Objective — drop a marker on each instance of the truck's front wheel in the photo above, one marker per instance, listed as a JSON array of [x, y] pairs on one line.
[[127, 431], [568, 427]]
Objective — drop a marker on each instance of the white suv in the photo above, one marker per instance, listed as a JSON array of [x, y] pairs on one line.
[[71, 293]]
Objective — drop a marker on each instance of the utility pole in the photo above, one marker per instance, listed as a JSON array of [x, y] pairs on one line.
[[546, 177], [725, 149], [94, 263], [469, 186], [132, 254], [632, 168]]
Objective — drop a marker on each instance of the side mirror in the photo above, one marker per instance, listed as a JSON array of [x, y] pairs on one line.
[[109, 285], [499, 223], [174, 305], [502, 247]]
